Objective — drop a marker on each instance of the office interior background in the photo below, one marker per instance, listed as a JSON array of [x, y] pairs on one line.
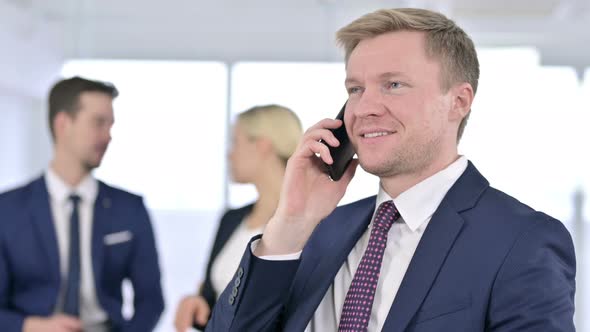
[[186, 68]]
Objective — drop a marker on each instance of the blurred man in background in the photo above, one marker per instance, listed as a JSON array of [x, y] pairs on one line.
[[67, 240]]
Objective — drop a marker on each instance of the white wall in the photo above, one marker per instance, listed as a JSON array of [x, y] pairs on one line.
[[32, 51], [24, 144], [31, 58]]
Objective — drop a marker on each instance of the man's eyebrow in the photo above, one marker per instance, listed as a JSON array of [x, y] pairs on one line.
[[382, 76], [350, 80], [392, 74]]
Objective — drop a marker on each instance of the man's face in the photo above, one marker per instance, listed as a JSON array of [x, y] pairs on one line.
[[86, 135], [396, 115]]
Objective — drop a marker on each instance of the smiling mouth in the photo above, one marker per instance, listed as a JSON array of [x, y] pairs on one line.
[[376, 134]]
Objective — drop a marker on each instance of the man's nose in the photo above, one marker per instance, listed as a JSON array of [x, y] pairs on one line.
[[370, 103]]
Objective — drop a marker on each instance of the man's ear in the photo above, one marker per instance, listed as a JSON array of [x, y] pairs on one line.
[[61, 122], [461, 103]]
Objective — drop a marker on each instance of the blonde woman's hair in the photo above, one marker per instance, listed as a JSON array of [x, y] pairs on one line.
[[277, 123], [445, 41]]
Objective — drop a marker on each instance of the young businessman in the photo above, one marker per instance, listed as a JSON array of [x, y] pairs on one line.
[[437, 249], [67, 240]]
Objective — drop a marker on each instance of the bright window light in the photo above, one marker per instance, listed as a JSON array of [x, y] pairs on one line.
[[522, 131]]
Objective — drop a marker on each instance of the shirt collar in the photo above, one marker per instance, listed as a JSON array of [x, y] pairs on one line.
[[60, 191], [417, 204]]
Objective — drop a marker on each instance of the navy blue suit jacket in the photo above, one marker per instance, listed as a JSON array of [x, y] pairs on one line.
[[486, 262], [29, 260]]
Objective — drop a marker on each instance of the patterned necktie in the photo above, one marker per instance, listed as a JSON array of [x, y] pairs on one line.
[[72, 295], [359, 299]]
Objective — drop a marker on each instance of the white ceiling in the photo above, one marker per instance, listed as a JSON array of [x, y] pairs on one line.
[[302, 30]]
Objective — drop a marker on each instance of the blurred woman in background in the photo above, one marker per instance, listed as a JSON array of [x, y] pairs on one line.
[[264, 137]]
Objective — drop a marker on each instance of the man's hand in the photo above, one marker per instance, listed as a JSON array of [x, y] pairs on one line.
[[56, 323], [308, 195], [191, 308]]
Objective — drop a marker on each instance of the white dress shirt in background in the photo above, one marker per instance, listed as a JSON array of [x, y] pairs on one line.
[[91, 313]]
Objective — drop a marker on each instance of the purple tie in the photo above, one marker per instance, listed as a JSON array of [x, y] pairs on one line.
[[359, 299]]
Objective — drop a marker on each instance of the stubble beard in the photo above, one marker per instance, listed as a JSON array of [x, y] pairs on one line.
[[410, 160]]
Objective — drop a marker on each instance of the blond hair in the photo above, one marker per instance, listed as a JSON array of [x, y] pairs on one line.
[[445, 41], [277, 123]]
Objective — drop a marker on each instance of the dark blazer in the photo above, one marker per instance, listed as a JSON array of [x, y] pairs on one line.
[[486, 262], [29, 260], [228, 224]]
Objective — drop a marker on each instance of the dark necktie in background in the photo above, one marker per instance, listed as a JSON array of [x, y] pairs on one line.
[[72, 295], [358, 303]]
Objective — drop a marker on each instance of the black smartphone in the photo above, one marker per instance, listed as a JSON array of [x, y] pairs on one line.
[[341, 155]]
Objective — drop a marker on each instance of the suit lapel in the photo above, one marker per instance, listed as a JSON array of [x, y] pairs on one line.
[[436, 243], [44, 223], [323, 257], [430, 255], [102, 212]]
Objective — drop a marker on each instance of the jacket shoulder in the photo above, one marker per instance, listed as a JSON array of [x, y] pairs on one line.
[[18, 195], [118, 193], [502, 214]]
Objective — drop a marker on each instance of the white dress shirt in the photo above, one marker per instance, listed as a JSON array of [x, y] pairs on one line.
[[91, 313], [416, 206], [227, 261]]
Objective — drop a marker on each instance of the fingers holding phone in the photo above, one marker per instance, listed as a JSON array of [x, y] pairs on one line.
[[309, 192], [336, 150]]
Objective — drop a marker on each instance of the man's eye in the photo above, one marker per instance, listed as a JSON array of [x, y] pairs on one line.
[[394, 85], [354, 90]]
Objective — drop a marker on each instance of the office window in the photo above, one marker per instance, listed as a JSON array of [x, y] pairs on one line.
[[521, 132]]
